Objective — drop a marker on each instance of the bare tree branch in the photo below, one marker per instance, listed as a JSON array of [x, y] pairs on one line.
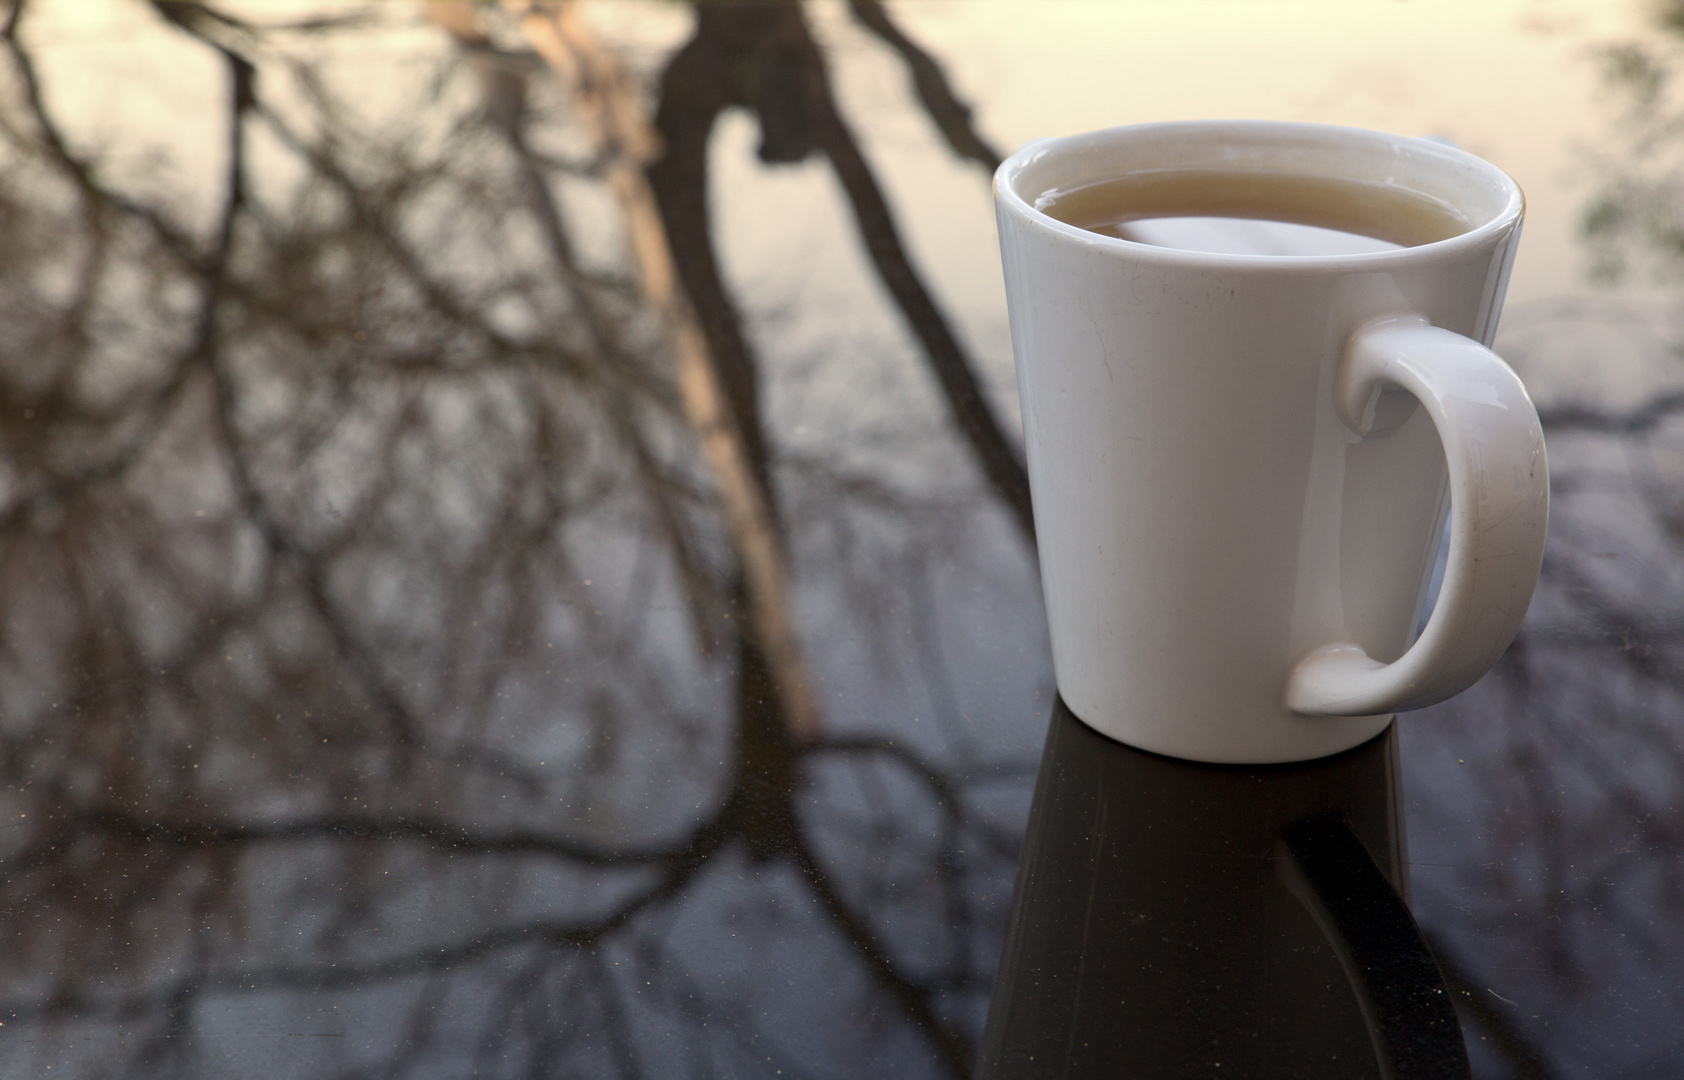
[[440, 835], [951, 116], [915, 1000], [1636, 421], [1001, 462], [607, 101]]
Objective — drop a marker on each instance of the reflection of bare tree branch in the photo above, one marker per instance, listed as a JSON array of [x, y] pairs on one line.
[[952, 117], [343, 975], [439, 835], [1635, 421], [241, 73], [506, 107], [273, 721], [914, 999], [693, 92], [175, 238], [1000, 461], [201, 356], [1003, 842], [626, 143], [763, 56], [620, 1039], [151, 411], [1616, 622], [686, 998], [370, 218]]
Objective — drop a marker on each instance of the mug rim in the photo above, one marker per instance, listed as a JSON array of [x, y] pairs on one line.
[[1426, 152]]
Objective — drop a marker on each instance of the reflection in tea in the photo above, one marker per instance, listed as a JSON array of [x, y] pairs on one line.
[[1255, 213]]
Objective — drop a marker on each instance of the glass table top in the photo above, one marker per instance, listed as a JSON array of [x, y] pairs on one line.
[[404, 671]]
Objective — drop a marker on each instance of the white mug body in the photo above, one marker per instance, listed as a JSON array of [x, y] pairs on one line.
[[1205, 516]]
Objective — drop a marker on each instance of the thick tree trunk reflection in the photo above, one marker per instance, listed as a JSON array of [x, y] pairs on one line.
[[762, 56]]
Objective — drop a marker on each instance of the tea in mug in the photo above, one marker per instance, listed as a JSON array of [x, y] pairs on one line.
[[1255, 213]]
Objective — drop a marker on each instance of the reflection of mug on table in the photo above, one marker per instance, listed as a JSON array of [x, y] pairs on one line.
[[1240, 461]]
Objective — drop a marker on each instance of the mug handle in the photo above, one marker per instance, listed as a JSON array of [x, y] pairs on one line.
[[1499, 514]]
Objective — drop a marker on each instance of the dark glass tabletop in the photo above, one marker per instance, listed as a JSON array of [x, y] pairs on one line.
[[515, 560]]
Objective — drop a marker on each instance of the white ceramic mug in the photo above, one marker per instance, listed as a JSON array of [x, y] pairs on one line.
[[1241, 464]]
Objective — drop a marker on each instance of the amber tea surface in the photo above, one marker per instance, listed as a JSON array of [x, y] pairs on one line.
[[1256, 213]]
